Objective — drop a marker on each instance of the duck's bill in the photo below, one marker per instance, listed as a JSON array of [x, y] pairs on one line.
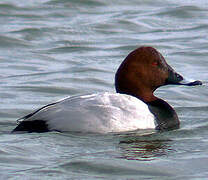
[[177, 79], [190, 83]]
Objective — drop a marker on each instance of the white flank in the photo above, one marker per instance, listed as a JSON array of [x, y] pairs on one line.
[[97, 113]]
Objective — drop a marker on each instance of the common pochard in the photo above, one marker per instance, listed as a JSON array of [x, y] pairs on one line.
[[131, 108]]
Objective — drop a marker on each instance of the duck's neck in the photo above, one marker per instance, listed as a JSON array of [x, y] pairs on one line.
[[166, 116], [145, 95], [147, 98]]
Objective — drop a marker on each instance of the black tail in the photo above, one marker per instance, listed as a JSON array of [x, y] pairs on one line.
[[32, 126]]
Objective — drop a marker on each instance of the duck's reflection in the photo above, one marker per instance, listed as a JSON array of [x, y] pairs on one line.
[[144, 148]]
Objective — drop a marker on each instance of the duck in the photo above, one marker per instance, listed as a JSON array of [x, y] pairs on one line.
[[132, 107]]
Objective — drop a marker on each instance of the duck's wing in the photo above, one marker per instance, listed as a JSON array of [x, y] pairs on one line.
[[28, 124], [34, 112], [98, 113]]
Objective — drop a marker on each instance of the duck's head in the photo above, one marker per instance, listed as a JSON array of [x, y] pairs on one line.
[[143, 71]]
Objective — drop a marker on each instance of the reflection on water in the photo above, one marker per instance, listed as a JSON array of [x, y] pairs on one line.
[[144, 149]]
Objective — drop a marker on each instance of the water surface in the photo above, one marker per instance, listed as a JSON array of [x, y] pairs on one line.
[[50, 49]]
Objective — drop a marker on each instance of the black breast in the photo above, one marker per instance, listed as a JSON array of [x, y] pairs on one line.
[[166, 116]]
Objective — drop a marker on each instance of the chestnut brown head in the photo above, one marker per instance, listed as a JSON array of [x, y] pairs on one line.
[[142, 72]]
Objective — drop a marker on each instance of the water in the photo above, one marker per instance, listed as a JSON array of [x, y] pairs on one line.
[[50, 49]]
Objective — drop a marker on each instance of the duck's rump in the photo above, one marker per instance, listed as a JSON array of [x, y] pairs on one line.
[[96, 113]]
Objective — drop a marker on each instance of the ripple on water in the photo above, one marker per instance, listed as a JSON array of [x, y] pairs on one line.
[[9, 42], [51, 49]]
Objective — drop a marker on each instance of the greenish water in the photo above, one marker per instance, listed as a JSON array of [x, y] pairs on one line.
[[50, 49]]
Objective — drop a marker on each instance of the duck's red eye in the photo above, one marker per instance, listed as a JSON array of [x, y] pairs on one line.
[[155, 63]]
